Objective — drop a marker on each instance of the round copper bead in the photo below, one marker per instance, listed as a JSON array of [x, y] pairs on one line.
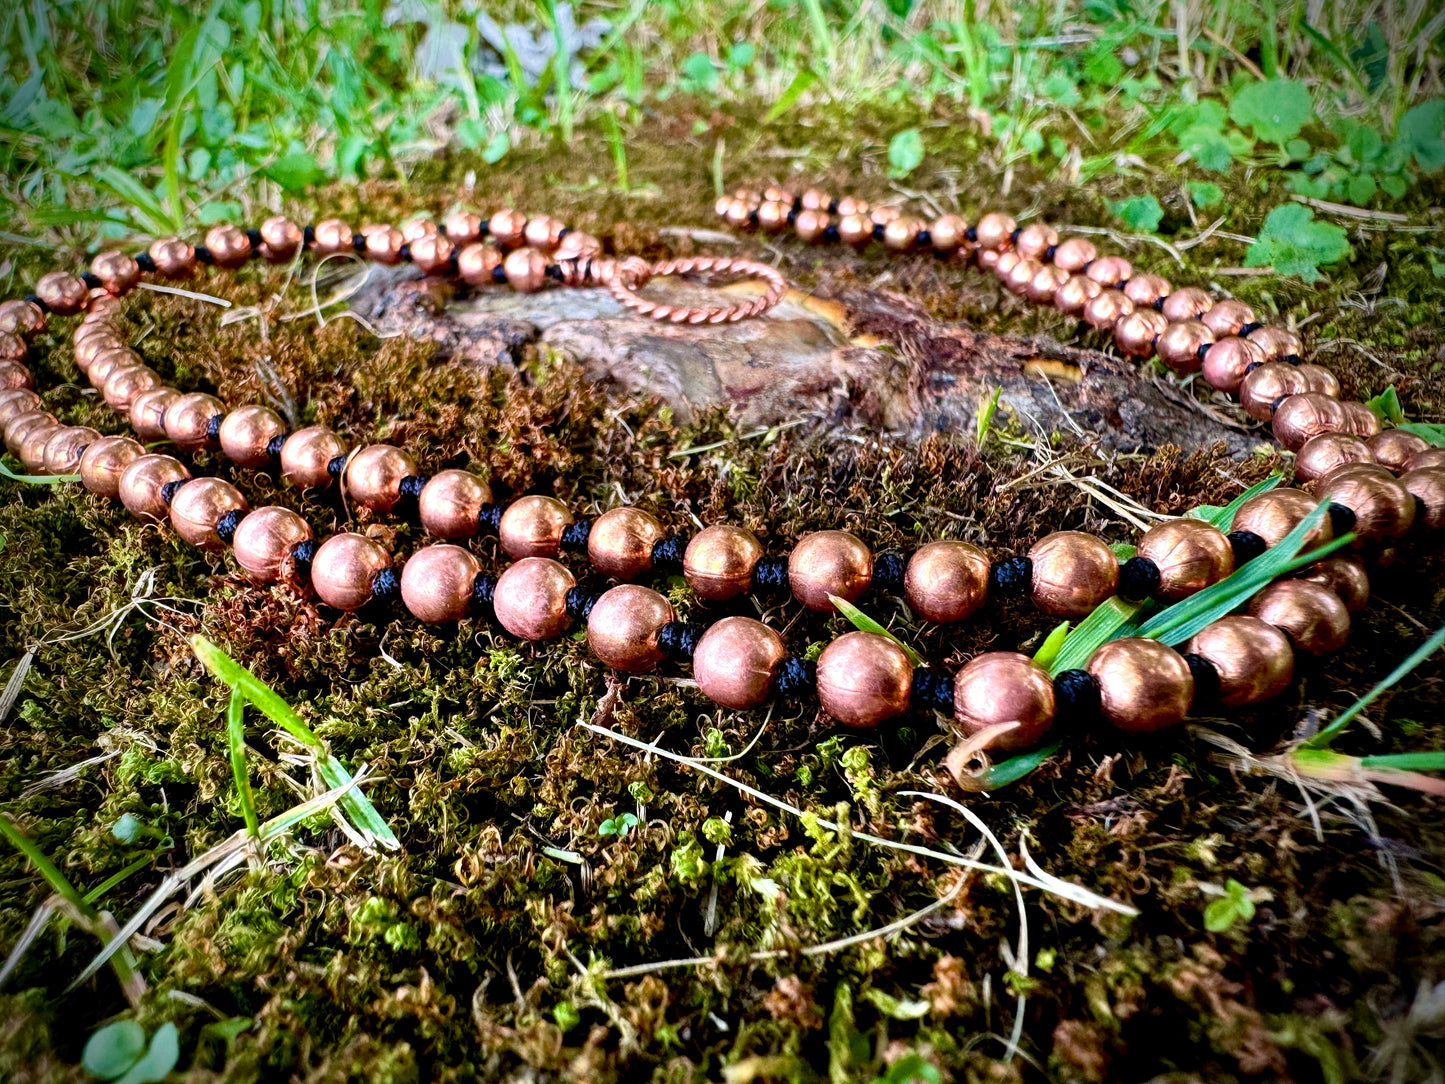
[[124, 386], [1035, 240], [1189, 303], [64, 294], [1180, 344], [148, 412], [333, 237], [945, 233], [1004, 687], [1146, 290], [417, 229], [864, 679], [773, 215], [103, 461], [246, 435], [526, 270], [623, 627], [1393, 448], [1189, 553], [117, 272], [451, 502], [719, 561], [383, 244], [621, 540], [372, 477], [22, 318], [264, 543], [1021, 274], [852, 205], [1004, 262], [508, 227], [188, 420], [1346, 577], [64, 448], [1374, 469], [1075, 254], [174, 259], [436, 583], [280, 239], [103, 306], [1110, 271], [108, 361], [1074, 295], [530, 599], [740, 213], [1301, 417], [543, 232], [1262, 387], [946, 581], [1136, 333], [1106, 309], [17, 401], [1274, 514], [853, 229], [1324, 453], [986, 259], [13, 348], [1321, 380], [1384, 509], [1072, 573], [532, 527], [828, 563], [197, 506], [1311, 614], [1227, 317], [89, 348], [1360, 420], [811, 225], [1429, 457], [736, 661], [432, 255], [229, 247], [305, 455], [1045, 284], [462, 227], [22, 429], [1427, 486], [31, 447], [344, 567], [141, 482], [476, 264], [1276, 342], [881, 216], [1143, 685], [994, 230], [1254, 660], [902, 232]]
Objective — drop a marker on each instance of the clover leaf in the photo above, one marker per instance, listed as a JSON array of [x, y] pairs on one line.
[[905, 153], [1235, 905], [1293, 243], [118, 1052], [1422, 133], [1275, 109], [1138, 212]]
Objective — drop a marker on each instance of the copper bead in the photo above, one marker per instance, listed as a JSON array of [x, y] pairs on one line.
[[1324, 453], [372, 477], [1228, 361], [1147, 290], [124, 386], [451, 502], [1346, 577], [103, 461], [333, 236], [532, 527], [63, 293], [994, 230], [229, 246], [946, 232], [1427, 486], [174, 259], [1394, 447], [198, 505], [1299, 418], [246, 435], [864, 679], [1253, 659], [1321, 380], [508, 228], [1035, 240], [1274, 514], [828, 563], [462, 227], [1072, 573], [476, 264], [1276, 342], [1004, 687], [12, 347], [1180, 344], [432, 255], [736, 661], [1189, 553], [1314, 616], [436, 583], [22, 318], [1143, 684], [15, 402], [621, 540], [530, 598], [1384, 509], [1264, 386], [1360, 420], [141, 483], [623, 627], [264, 543], [19, 426], [383, 244], [280, 239], [188, 420], [946, 581], [719, 562], [305, 456], [1189, 303], [64, 448], [117, 271], [526, 270], [30, 445], [344, 567], [1105, 309], [1227, 317], [1136, 333], [1075, 254], [1429, 457]]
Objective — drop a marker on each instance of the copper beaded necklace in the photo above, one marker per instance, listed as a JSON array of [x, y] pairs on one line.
[[1381, 484]]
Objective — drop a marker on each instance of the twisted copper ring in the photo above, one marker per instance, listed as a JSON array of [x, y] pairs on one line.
[[628, 276]]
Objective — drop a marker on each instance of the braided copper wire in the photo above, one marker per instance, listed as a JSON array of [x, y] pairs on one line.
[[628, 276]]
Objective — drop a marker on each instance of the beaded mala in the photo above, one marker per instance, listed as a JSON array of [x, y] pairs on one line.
[[1380, 484]]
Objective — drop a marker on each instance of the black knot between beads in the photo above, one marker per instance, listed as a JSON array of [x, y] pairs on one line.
[[1050, 252], [254, 236], [678, 639], [753, 217], [168, 491], [925, 237], [301, 555], [1250, 328], [1276, 401], [1138, 579], [499, 275], [888, 570], [1203, 349], [1076, 696], [404, 252], [385, 585], [1290, 359], [204, 255], [92, 281], [793, 216], [145, 263], [213, 427], [37, 301], [971, 234], [484, 590], [336, 465], [553, 271], [411, 486], [273, 446], [574, 538], [1246, 545], [879, 231], [771, 574], [1252, 366], [832, 207], [1206, 679], [489, 519], [308, 236], [227, 524], [358, 242], [932, 691], [831, 234], [1342, 518], [1014, 237], [667, 553], [580, 602], [797, 677], [1011, 578]]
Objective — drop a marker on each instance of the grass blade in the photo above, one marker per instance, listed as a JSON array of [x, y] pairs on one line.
[[37, 479], [1049, 650], [1328, 734], [1223, 516], [1105, 623], [789, 98], [866, 624], [1015, 768], [1433, 761], [236, 741]]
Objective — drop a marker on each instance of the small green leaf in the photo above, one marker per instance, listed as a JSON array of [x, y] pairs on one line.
[[789, 98], [699, 73], [1432, 433], [1293, 243], [1015, 768], [987, 407], [1205, 194], [113, 1049], [905, 153], [899, 1008], [295, 171], [1422, 133], [1049, 650], [1275, 109], [1386, 406], [159, 1060], [865, 623], [1138, 212], [496, 148]]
